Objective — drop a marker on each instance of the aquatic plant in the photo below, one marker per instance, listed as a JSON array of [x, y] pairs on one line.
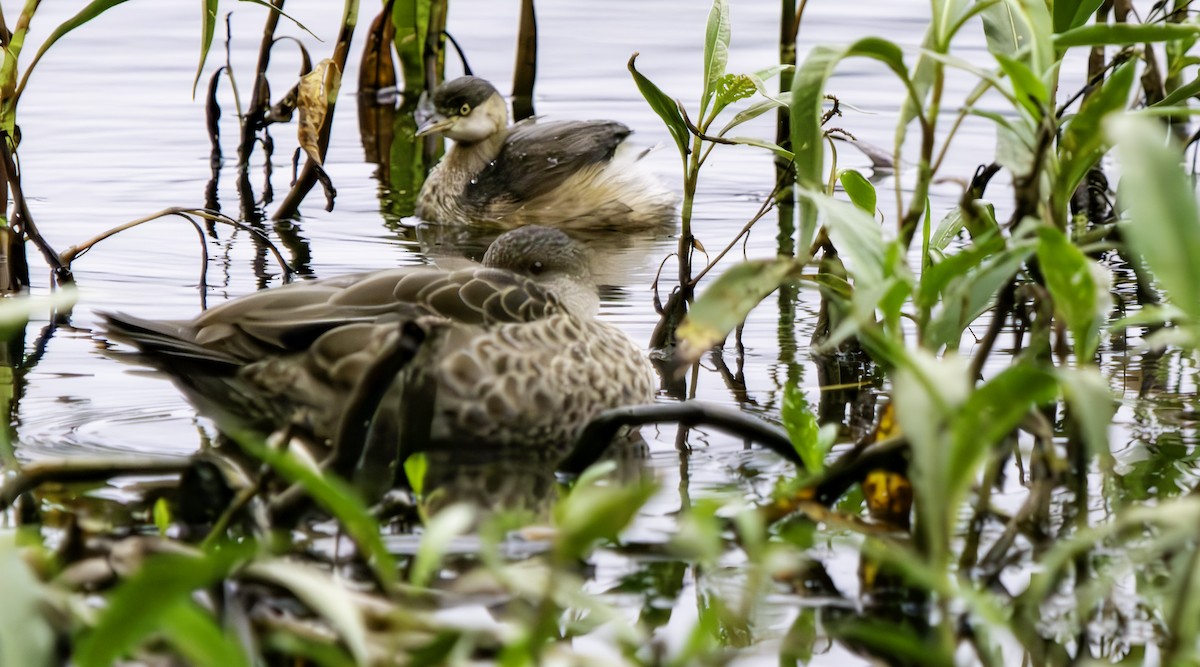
[[959, 419]]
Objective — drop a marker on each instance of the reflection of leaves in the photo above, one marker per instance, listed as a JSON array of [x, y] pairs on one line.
[[317, 90]]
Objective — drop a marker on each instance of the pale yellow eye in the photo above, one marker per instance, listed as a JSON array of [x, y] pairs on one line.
[[464, 110]]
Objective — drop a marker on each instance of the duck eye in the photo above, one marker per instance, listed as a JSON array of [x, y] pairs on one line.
[[464, 110], [536, 268]]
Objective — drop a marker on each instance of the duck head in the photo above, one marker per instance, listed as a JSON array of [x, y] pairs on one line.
[[467, 110], [551, 258]]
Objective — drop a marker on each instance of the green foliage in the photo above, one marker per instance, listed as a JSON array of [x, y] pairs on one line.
[[158, 600], [26, 636], [595, 511], [803, 428], [1164, 219], [336, 497]]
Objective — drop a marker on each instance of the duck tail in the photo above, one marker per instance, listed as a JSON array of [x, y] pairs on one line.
[[166, 344]]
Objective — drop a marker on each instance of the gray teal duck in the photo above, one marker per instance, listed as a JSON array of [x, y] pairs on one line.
[[507, 354]]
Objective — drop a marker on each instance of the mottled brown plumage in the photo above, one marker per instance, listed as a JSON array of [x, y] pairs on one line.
[[510, 353], [558, 173]]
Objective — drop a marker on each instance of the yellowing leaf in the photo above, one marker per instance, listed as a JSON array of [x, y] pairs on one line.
[[316, 90]]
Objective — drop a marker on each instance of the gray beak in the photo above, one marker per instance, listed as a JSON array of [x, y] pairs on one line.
[[435, 124]]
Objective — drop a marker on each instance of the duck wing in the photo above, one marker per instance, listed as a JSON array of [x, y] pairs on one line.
[[289, 320], [539, 156]]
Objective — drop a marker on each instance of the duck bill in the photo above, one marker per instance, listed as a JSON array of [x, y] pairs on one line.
[[435, 125]]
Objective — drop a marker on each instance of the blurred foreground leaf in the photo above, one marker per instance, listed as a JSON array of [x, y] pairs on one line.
[[1164, 220], [726, 303]]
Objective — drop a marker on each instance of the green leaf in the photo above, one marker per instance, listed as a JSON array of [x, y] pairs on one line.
[[336, 497], [1021, 28], [136, 606], [1078, 298], [755, 110], [1070, 14], [802, 428], [416, 466], [1092, 404], [26, 637], [208, 26], [1028, 89], [448, 524], [992, 412], [858, 189], [89, 12], [856, 235], [595, 510], [1164, 221], [324, 595], [1083, 140], [727, 301], [716, 50], [730, 89], [1124, 34], [808, 95], [666, 108], [162, 515], [198, 638], [1180, 94]]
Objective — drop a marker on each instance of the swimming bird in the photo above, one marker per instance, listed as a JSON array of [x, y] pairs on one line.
[[573, 174], [507, 354]]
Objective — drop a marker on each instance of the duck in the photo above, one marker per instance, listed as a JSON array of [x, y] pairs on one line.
[[506, 355], [565, 173]]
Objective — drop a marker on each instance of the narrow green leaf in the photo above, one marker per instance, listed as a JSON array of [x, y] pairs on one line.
[[1022, 29], [448, 524], [1164, 220], [858, 189], [727, 301], [1180, 94], [666, 108], [808, 95], [325, 595], [26, 637], [1070, 14], [135, 607], [1092, 404], [856, 235], [993, 411], [1029, 90], [198, 638], [1078, 298], [595, 510], [716, 51], [1124, 34], [802, 428], [208, 27], [337, 498], [760, 143], [755, 110], [285, 15], [1083, 140]]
